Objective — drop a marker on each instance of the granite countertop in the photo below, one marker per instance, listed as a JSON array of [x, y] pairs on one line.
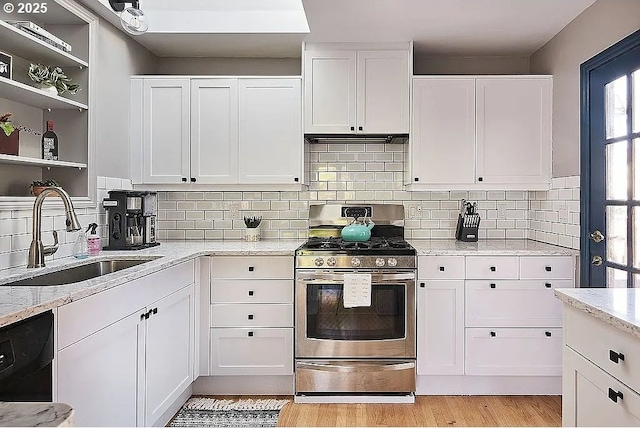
[[36, 415], [19, 302], [619, 307], [489, 247]]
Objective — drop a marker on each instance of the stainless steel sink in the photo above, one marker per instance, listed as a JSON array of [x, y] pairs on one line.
[[80, 273]]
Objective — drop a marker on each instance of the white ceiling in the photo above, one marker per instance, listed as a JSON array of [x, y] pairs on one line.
[[437, 27]]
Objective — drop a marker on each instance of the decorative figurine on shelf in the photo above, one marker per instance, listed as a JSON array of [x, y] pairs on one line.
[[252, 232], [9, 136], [52, 79]]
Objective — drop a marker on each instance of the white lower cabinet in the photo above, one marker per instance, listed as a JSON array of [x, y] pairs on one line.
[[440, 327], [124, 355], [251, 318], [246, 351]]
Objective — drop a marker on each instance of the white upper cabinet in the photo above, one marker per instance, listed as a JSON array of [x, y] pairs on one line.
[[481, 133], [443, 135], [165, 142], [514, 130], [216, 131], [356, 91], [270, 143]]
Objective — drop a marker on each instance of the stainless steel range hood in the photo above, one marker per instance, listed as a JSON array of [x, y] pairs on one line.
[[357, 138]]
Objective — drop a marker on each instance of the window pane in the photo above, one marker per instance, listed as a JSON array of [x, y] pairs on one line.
[[616, 107], [636, 237], [636, 101], [636, 280], [617, 234], [616, 278], [617, 171], [636, 166]]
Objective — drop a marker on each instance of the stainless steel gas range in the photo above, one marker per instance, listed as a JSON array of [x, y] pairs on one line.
[[363, 349]]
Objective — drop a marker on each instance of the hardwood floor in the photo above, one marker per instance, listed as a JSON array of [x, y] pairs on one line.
[[430, 411]]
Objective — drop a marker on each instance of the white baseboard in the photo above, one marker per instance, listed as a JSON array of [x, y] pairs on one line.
[[488, 385], [244, 385], [348, 399]]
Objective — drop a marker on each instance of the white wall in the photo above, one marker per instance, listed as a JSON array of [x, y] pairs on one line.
[[230, 66], [119, 57], [601, 25]]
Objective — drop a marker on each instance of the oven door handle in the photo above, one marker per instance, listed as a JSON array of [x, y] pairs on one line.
[[376, 278], [378, 366]]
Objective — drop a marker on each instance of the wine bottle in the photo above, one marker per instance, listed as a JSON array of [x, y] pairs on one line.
[[50, 143]]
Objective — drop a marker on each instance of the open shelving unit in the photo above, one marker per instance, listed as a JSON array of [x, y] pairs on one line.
[[73, 118]]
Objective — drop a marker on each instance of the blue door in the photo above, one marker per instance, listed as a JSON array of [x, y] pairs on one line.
[[610, 167]]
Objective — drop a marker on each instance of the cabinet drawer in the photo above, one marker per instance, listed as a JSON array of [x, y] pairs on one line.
[[546, 267], [252, 291], [440, 267], [513, 351], [246, 351], [513, 303], [252, 267], [589, 389], [489, 267], [599, 342], [252, 315]]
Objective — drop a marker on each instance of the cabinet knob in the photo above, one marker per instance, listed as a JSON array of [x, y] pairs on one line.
[[614, 395], [492, 268], [493, 334], [616, 357], [547, 284], [193, 179], [250, 334], [441, 268], [416, 179], [353, 128], [422, 285], [479, 178], [359, 128], [492, 285], [296, 179], [184, 179], [547, 268], [250, 292], [251, 268], [250, 316], [547, 333]]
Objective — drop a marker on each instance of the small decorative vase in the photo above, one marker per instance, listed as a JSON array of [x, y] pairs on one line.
[[252, 234], [51, 90], [10, 145]]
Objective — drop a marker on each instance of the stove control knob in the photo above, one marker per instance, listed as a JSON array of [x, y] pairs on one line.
[[331, 261], [319, 261], [392, 262], [379, 262], [355, 262]]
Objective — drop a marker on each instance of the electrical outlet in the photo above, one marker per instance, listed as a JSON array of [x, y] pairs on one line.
[[412, 211], [234, 208], [419, 211], [502, 210], [563, 213]]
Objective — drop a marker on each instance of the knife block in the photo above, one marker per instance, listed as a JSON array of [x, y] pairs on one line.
[[467, 227]]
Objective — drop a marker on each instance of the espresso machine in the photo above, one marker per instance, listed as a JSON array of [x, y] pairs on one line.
[[131, 219]]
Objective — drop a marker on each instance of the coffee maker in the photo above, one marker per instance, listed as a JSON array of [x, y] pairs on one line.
[[131, 219]]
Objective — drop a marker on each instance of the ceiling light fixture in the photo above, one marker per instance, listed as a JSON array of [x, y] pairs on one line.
[[133, 20]]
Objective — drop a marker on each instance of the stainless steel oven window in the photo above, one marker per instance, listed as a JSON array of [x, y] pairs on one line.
[[327, 318]]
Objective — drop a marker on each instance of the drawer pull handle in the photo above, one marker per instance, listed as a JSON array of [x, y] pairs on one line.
[[547, 333], [493, 334], [250, 334], [492, 268], [251, 268], [547, 284], [547, 268], [492, 285], [441, 268], [250, 292], [422, 285], [250, 316], [615, 356], [614, 395]]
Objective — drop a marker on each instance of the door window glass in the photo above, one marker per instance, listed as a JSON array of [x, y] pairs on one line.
[[617, 234], [616, 278], [636, 100], [616, 107], [617, 168]]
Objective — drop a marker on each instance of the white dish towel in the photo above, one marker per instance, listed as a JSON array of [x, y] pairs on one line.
[[357, 290]]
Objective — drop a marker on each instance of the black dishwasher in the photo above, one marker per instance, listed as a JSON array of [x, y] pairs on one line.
[[26, 352]]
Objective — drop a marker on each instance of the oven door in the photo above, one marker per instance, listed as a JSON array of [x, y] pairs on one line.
[[326, 329]]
